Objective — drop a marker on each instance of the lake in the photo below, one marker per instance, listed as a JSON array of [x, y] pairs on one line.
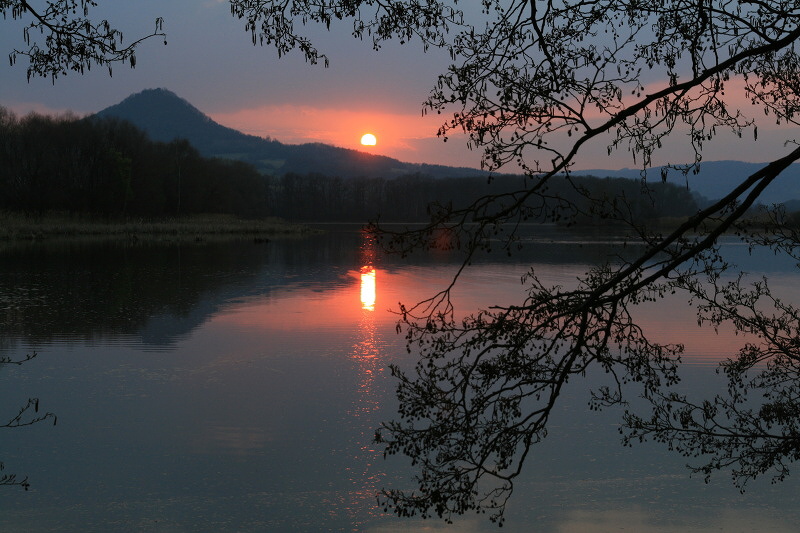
[[236, 386]]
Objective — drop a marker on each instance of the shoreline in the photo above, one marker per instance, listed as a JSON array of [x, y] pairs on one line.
[[19, 227]]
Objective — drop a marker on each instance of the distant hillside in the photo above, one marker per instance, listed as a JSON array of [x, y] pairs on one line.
[[718, 177], [166, 116]]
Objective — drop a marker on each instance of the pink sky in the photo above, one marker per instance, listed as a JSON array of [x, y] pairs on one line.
[[406, 137], [211, 62]]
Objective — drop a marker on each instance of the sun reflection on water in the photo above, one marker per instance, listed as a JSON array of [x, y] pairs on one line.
[[369, 352], [368, 293]]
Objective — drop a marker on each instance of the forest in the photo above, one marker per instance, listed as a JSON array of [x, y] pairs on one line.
[[107, 169]]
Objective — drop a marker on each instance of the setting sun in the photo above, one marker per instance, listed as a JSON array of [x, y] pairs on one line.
[[369, 139]]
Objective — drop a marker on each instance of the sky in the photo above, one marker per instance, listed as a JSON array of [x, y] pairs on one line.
[[210, 61]]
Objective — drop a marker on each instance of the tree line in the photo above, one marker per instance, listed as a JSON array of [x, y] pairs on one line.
[[109, 169], [415, 197]]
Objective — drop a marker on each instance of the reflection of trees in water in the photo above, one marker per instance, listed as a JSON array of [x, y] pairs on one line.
[[88, 290], [101, 288]]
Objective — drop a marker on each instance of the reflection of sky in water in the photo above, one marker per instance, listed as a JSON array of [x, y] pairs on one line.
[[261, 419]]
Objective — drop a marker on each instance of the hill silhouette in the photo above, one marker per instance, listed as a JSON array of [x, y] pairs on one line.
[[165, 116]]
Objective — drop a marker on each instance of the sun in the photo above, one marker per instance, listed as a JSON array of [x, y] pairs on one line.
[[369, 139]]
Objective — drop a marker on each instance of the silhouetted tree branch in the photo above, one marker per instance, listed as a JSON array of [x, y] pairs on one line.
[[60, 36], [27, 416], [531, 82]]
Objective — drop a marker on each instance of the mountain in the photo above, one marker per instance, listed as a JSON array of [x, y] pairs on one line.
[[165, 116], [715, 178]]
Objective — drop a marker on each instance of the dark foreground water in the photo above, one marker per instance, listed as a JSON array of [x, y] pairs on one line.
[[236, 387]]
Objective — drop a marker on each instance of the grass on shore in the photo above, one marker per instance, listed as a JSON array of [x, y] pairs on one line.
[[16, 226]]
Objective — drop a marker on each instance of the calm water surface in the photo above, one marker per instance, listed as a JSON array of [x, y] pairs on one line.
[[237, 386]]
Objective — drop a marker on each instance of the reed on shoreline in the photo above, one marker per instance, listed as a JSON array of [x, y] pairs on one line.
[[17, 226]]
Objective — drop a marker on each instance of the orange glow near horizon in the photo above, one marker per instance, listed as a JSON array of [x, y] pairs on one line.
[[412, 138], [292, 124], [368, 292]]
